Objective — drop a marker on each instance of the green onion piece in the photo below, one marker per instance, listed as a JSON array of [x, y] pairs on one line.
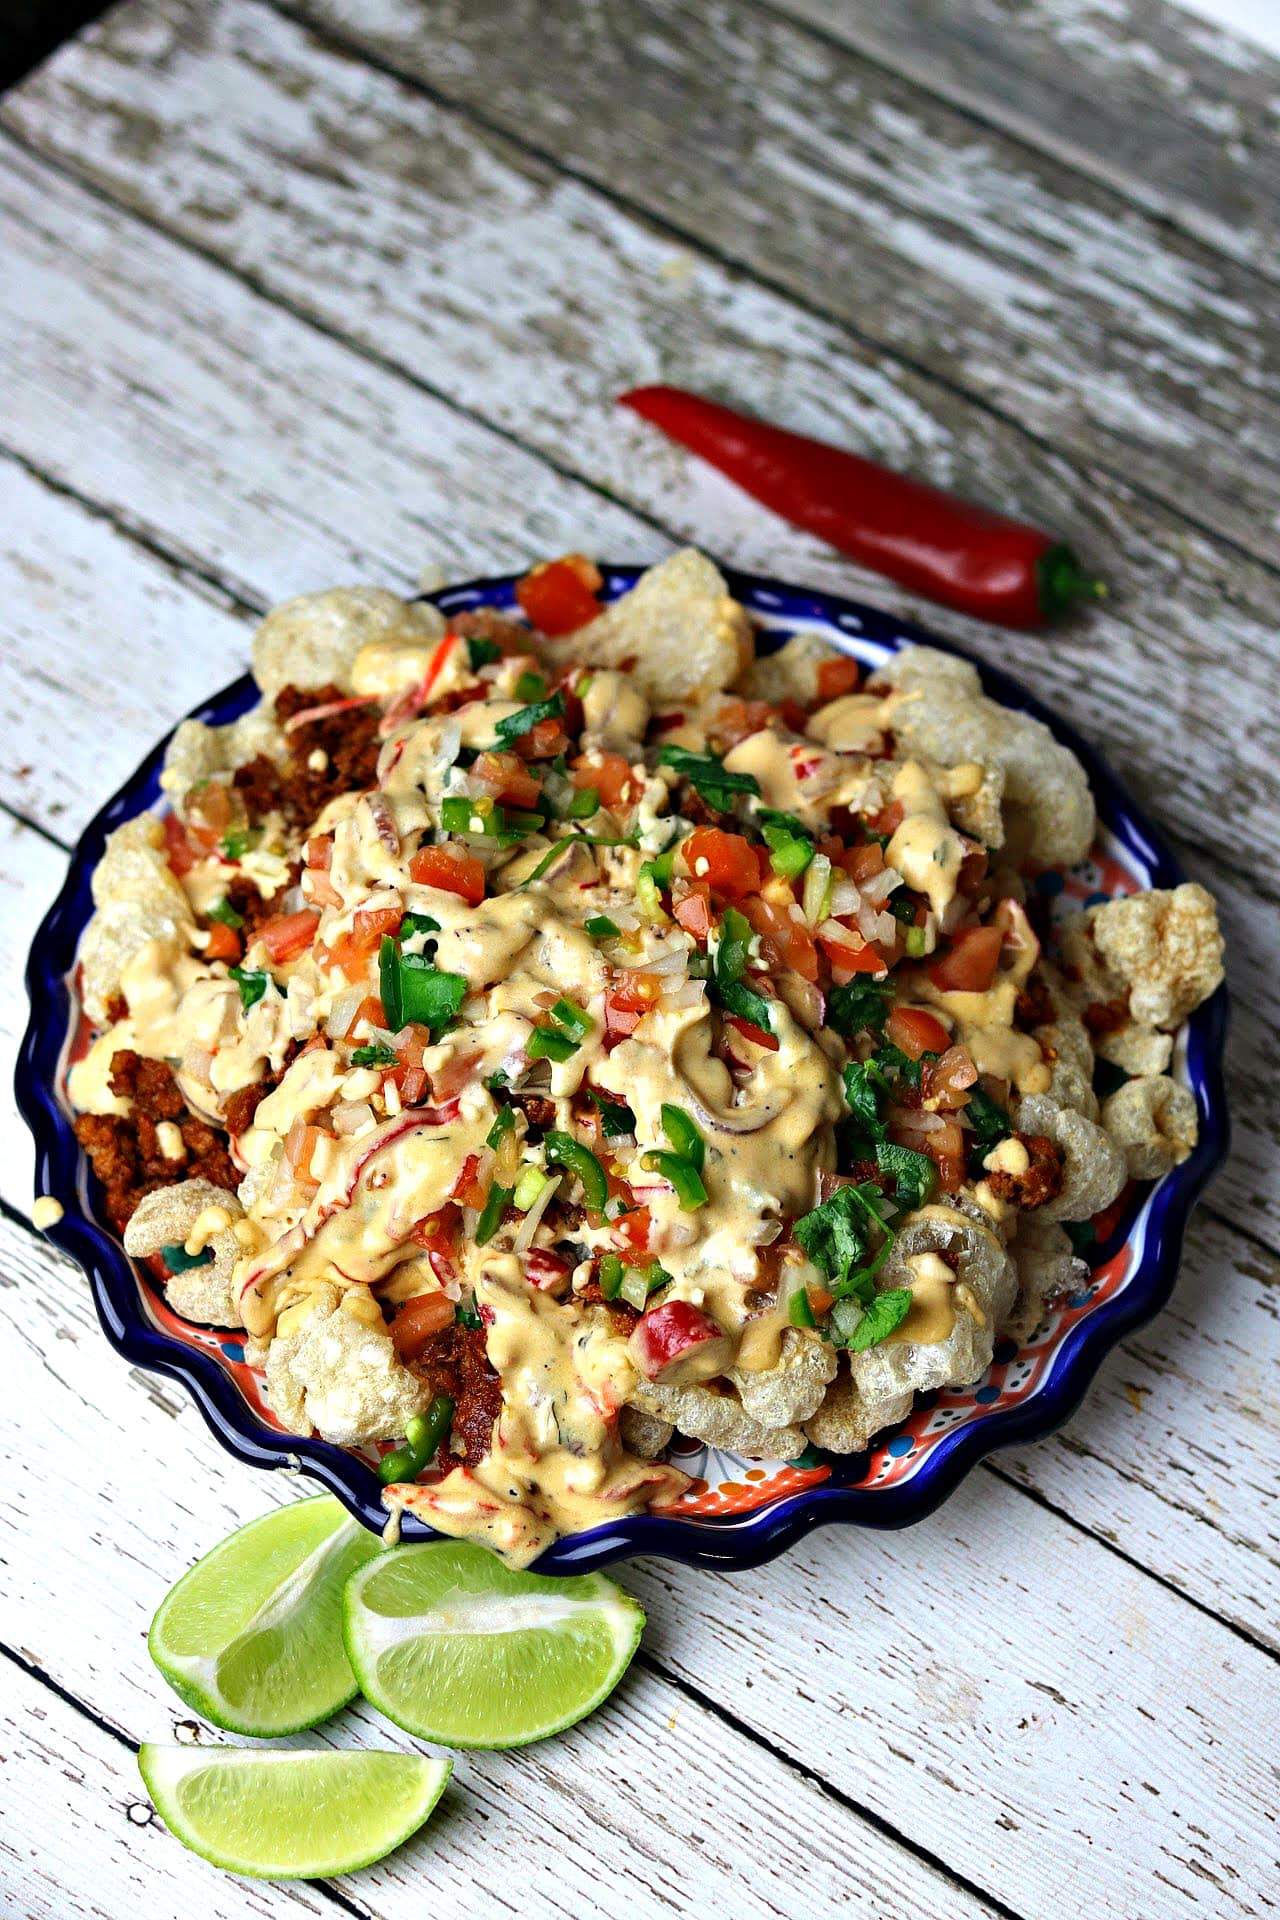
[[578, 1160], [573, 840], [601, 927], [915, 1173], [585, 802], [915, 940], [649, 897], [885, 1313], [496, 1203], [389, 983], [573, 1018], [684, 1136], [709, 776], [800, 1309], [377, 1055], [640, 1282], [819, 885], [616, 1118], [483, 653], [610, 1276], [423, 1436], [518, 724], [178, 1260], [252, 986], [682, 1174], [531, 686], [240, 841], [503, 1125], [548, 1043], [466, 1314], [527, 1188], [225, 912]]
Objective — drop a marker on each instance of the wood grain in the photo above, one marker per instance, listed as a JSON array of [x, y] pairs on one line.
[[1059, 303], [1181, 659], [1037, 1764], [1176, 114], [160, 1492]]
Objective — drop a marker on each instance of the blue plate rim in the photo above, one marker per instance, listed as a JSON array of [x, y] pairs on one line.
[[728, 1543]]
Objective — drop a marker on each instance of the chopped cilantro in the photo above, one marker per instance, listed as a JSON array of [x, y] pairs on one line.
[[708, 776], [860, 1005], [885, 1312], [414, 992], [482, 653], [989, 1121], [252, 985], [837, 1236], [377, 1055], [914, 1173], [517, 724], [225, 912], [616, 1118]]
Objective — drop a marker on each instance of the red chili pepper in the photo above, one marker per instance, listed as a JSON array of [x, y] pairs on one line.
[[962, 555]]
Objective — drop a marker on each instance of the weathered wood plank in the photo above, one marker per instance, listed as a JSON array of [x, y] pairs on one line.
[[1058, 302], [1016, 1743], [30, 873], [80, 1837], [1174, 113], [654, 1803], [1183, 652]]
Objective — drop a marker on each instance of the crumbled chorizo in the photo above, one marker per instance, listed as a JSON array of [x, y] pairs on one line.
[[1040, 1182]]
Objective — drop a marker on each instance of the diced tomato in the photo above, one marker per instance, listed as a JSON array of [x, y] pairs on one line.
[[508, 779], [787, 941], [560, 595], [969, 964], [410, 1075], [631, 1230], [861, 863], [756, 1035], [178, 850], [417, 1322], [852, 953], [370, 923], [370, 1009], [320, 889], [543, 741], [611, 776], [467, 1188], [451, 870], [224, 943], [626, 1003], [916, 1032], [300, 1144], [320, 851], [439, 1232], [738, 719], [726, 861], [289, 935], [543, 1268], [212, 810], [943, 1144], [838, 677], [691, 905], [889, 818]]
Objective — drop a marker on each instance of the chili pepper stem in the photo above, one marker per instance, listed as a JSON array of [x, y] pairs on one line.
[[1063, 582]]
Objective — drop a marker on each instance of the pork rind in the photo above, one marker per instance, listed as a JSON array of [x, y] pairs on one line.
[[643, 1433], [1164, 946], [138, 899], [789, 674], [1047, 1266], [848, 1419], [787, 1393], [981, 1296], [1065, 1042], [980, 813], [944, 714], [197, 752], [165, 1219], [680, 625], [338, 1375], [1154, 1123], [1093, 1169], [717, 1419], [313, 641]]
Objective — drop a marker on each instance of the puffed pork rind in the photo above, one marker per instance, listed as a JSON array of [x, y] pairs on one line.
[[717, 1419], [1093, 1168], [165, 1219], [339, 1376], [790, 673], [1153, 1121], [684, 630], [1047, 1266], [1066, 1045], [983, 1267], [644, 1433], [313, 641], [1164, 947], [197, 752], [848, 1420], [790, 1391], [137, 899], [945, 715]]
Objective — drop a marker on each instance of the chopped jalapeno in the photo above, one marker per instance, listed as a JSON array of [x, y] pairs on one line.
[[496, 1203], [683, 1175], [585, 802], [610, 1276], [684, 1136], [225, 912], [578, 1160], [423, 1434], [548, 1043], [601, 927]]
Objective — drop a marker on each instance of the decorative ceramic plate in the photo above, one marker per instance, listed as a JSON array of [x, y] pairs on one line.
[[735, 1513]]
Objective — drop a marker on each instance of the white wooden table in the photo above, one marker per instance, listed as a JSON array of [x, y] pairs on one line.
[[304, 292]]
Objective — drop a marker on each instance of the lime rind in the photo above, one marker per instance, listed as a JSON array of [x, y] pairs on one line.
[[239, 1808], [455, 1647], [218, 1646]]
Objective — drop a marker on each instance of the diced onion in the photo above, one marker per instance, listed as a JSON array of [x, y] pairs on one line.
[[845, 898], [349, 1116], [881, 885], [529, 1225], [343, 1012], [817, 880]]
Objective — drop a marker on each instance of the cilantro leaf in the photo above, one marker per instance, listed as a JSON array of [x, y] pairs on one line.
[[989, 1120], [616, 1118], [252, 985], [709, 776], [885, 1313], [860, 1005], [527, 718], [914, 1174]]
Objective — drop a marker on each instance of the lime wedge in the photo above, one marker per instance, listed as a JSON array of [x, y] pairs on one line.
[[252, 1636], [290, 1816], [456, 1647]]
